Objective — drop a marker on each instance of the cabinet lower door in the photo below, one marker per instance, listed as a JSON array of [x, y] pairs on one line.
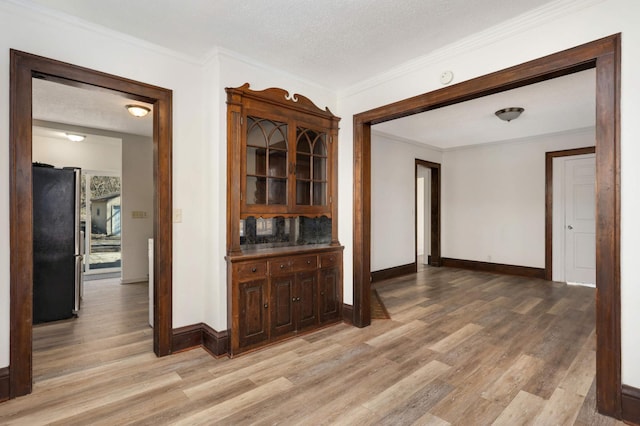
[[330, 298], [306, 299], [282, 305], [253, 322]]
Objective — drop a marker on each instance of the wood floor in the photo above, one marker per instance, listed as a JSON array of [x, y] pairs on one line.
[[460, 348]]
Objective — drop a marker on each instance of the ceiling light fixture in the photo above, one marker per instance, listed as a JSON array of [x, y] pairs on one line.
[[508, 114], [138, 110], [74, 137]]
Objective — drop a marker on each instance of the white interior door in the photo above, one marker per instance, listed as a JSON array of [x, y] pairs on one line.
[[580, 220]]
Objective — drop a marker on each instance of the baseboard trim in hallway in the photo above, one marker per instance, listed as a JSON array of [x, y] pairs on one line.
[[4, 384], [631, 404], [200, 335], [497, 268], [396, 271]]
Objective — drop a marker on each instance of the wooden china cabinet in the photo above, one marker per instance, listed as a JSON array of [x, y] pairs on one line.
[[284, 261]]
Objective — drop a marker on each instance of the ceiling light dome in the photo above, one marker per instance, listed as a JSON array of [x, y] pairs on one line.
[[508, 114], [74, 137], [138, 110]]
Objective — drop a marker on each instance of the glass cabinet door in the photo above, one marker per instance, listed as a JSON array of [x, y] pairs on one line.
[[266, 163], [311, 167]]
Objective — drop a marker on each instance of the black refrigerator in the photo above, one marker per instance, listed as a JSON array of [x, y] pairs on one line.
[[57, 245]]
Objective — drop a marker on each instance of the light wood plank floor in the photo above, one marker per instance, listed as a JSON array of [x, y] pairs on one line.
[[461, 348]]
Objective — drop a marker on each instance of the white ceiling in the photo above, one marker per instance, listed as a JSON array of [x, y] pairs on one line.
[[335, 43], [59, 103], [558, 105]]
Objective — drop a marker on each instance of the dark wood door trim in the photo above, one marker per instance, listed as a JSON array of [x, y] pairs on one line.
[[604, 56], [24, 66], [548, 203], [435, 256]]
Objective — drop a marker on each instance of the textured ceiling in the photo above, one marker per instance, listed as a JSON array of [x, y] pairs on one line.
[[335, 43], [59, 103], [558, 105]]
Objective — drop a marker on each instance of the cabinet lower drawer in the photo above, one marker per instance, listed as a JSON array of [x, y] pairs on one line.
[[330, 260], [251, 270], [304, 263]]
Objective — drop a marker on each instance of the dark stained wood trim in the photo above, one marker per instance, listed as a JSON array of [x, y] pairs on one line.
[[23, 67], [347, 313], [498, 268], [361, 222], [216, 342], [201, 335], [604, 56], [630, 404], [548, 202], [187, 337], [434, 257], [396, 271], [4, 384]]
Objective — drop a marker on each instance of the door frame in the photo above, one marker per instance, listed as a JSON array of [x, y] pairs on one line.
[[604, 56], [434, 195], [548, 204], [24, 67]]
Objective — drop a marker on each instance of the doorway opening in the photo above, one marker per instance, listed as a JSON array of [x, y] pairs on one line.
[[557, 229], [102, 221], [24, 67], [604, 56], [427, 201]]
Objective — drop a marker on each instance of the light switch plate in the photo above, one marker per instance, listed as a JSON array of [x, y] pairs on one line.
[[177, 215]]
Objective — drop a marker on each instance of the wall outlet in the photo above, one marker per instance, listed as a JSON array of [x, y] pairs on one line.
[[177, 215]]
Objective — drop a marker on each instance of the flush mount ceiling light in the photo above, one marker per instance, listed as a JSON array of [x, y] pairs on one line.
[[508, 114], [138, 110], [74, 137]]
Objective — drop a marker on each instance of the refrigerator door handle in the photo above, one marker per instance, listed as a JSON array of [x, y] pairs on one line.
[[78, 284]]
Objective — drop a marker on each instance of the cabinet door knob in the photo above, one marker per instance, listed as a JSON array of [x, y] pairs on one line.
[[266, 305], [297, 299], [293, 299], [308, 262], [281, 265], [253, 269], [322, 293]]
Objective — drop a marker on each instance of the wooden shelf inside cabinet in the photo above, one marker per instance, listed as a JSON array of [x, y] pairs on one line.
[[282, 160]]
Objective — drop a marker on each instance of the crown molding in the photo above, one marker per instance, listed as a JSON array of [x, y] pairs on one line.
[[407, 141], [221, 52], [534, 18], [30, 10], [523, 140]]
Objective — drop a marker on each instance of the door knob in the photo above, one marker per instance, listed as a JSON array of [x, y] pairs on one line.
[[569, 227]]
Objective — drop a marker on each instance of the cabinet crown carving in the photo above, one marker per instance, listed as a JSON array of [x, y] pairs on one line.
[[279, 96]]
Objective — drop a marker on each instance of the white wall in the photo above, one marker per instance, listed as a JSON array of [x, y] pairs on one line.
[[28, 30], [96, 152], [137, 195], [493, 199], [199, 147], [226, 69], [393, 215], [553, 28]]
